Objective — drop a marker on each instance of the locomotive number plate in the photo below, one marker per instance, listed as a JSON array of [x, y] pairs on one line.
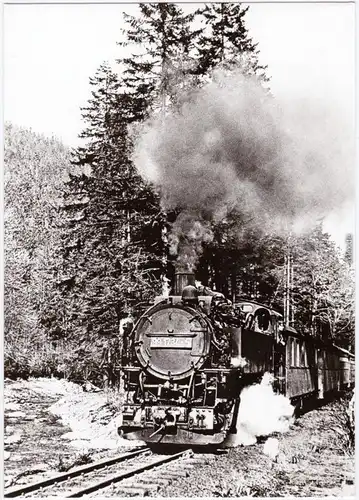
[[170, 342]]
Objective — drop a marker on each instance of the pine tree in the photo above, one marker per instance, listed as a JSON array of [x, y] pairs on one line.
[[154, 74], [224, 41], [174, 56], [242, 262], [113, 246]]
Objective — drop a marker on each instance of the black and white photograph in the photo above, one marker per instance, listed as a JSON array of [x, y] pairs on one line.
[[179, 249]]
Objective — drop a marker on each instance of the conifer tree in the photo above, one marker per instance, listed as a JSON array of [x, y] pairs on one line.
[[237, 266], [240, 261], [112, 250], [174, 55], [155, 72], [225, 42]]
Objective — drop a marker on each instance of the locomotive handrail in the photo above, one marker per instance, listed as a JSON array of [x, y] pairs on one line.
[[177, 334], [197, 316], [145, 316]]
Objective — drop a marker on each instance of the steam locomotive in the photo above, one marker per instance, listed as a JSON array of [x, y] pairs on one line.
[[190, 354]]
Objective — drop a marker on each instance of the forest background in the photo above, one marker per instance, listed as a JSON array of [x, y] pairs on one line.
[[86, 236]]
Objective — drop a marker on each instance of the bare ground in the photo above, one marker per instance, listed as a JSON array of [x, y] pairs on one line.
[[51, 425], [311, 462]]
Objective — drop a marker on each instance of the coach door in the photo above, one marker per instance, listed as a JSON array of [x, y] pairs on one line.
[[278, 357]]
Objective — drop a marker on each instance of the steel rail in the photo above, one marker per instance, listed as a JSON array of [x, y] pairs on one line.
[[125, 475], [28, 488]]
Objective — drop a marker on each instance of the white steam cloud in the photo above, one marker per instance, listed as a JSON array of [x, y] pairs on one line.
[[261, 412], [232, 146]]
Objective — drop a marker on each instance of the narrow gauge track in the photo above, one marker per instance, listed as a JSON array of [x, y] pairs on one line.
[[94, 477]]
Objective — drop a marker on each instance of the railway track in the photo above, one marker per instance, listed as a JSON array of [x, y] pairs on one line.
[[135, 473]]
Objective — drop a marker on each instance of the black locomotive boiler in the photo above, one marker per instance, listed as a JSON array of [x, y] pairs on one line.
[[190, 354]]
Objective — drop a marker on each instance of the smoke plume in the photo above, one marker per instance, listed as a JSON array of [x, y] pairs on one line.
[[189, 232], [233, 147], [261, 412]]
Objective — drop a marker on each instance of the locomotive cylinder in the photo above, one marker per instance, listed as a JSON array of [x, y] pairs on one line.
[[181, 280]]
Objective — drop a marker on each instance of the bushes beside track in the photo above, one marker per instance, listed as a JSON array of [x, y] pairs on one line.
[[63, 360]]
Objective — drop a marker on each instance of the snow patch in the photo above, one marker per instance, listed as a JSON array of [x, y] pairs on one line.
[[46, 386], [12, 406], [93, 421]]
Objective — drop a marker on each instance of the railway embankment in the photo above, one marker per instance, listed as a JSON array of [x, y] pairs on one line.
[[53, 425]]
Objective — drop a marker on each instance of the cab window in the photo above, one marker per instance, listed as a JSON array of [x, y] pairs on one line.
[[262, 321]]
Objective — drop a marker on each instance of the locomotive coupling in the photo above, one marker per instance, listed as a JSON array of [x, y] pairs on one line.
[[164, 420], [167, 417], [160, 429]]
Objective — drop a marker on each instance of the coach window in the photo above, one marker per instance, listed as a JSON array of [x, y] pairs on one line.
[[307, 354], [295, 353], [262, 321], [298, 352], [303, 354], [294, 357]]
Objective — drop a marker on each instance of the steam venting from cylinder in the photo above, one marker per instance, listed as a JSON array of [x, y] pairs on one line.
[[261, 413]]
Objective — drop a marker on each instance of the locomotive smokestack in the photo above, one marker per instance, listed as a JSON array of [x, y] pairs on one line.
[[181, 280]]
